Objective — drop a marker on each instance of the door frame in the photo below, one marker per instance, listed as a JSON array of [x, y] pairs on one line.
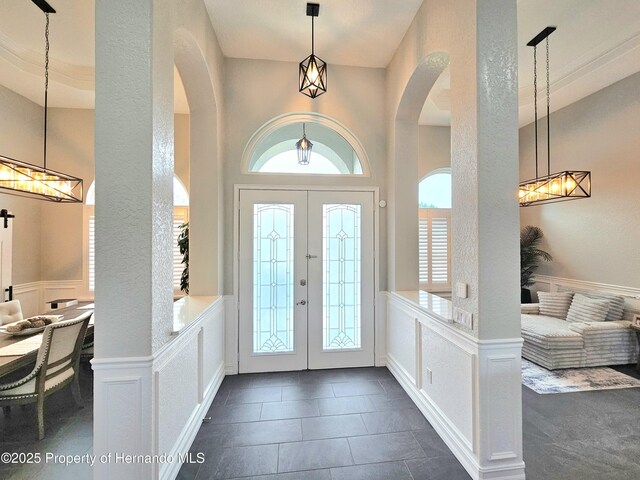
[[233, 327]]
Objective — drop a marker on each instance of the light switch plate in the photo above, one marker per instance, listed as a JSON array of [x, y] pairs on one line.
[[461, 290], [463, 317]]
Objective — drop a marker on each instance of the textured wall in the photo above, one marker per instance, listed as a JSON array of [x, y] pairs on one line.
[[355, 98], [593, 239]]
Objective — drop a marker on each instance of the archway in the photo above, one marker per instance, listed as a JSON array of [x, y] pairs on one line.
[[403, 171], [205, 272]]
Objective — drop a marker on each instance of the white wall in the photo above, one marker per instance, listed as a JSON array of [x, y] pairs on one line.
[[261, 90], [21, 139], [592, 239], [434, 149]]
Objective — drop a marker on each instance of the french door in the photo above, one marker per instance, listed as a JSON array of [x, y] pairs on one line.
[[306, 269]]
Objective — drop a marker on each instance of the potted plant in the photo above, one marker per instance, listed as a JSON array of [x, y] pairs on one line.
[[183, 244], [530, 255]]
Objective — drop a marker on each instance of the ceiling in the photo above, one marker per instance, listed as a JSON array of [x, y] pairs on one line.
[[362, 33], [72, 62], [597, 43]]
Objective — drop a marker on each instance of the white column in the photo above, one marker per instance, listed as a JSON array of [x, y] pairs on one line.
[[484, 136], [134, 171]]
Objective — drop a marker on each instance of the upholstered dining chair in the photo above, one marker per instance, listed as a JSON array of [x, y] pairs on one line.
[[10, 312], [56, 367]]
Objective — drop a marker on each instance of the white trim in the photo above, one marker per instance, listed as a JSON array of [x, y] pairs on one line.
[[554, 282], [307, 117], [34, 295], [479, 415], [146, 384]]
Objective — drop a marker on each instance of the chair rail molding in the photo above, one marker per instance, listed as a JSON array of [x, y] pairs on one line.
[[468, 389]]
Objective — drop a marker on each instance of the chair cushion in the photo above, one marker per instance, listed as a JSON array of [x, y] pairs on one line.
[[585, 309], [555, 304]]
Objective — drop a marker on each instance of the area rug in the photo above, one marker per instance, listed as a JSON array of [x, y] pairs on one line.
[[545, 381]]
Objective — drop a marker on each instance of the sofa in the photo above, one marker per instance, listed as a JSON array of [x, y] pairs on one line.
[[572, 330]]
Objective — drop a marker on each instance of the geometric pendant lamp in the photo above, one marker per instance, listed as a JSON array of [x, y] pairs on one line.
[[28, 180], [313, 70], [552, 187]]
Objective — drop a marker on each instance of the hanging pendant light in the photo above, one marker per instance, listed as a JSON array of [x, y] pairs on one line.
[[304, 147], [552, 187], [313, 70], [24, 179]]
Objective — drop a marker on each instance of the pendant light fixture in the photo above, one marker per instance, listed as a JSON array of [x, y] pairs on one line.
[[552, 187], [304, 147], [313, 70], [24, 179]]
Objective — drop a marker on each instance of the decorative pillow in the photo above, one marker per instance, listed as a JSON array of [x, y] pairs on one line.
[[555, 304], [616, 303], [585, 309]]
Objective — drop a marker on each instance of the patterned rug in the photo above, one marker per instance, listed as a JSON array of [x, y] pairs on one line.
[[544, 381]]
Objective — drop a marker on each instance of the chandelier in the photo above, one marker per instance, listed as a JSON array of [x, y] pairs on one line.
[[552, 187], [28, 180], [313, 70]]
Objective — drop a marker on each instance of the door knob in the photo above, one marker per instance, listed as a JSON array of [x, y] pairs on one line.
[[303, 282], [302, 302]]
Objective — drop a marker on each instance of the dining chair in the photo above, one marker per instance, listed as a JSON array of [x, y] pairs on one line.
[[56, 367], [10, 312]]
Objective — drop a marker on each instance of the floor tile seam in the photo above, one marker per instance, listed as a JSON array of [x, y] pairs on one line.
[[408, 469], [413, 434]]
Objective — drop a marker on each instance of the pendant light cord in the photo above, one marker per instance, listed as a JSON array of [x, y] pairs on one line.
[[313, 36], [46, 84], [548, 115], [535, 100]]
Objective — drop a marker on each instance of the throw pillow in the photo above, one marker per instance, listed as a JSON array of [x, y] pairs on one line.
[[616, 302], [555, 304], [585, 309]]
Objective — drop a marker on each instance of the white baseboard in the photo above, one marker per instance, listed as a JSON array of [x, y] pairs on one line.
[[440, 422], [468, 389]]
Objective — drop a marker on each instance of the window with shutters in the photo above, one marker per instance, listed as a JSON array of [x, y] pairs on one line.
[[434, 232], [180, 216]]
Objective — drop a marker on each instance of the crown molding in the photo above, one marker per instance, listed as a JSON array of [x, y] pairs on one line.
[[81, 77]]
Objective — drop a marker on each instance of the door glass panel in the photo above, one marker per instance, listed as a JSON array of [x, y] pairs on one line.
[[341, 289], [273, 278]]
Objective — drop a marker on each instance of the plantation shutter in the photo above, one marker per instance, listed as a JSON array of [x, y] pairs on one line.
[[434, 248]]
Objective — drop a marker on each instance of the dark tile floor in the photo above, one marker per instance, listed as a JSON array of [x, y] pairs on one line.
[[348, 424], [319, 425]]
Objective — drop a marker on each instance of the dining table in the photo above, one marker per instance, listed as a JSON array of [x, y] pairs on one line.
[[25, 353]]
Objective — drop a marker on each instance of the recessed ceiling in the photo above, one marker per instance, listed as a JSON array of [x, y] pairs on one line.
[[363, 33], [72, 54], [597, 43]]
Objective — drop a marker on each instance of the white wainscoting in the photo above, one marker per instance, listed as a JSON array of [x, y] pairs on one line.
[[159, 402], [469, 390], [33, 296]]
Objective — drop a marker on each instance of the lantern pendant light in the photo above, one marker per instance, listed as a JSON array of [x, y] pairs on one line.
[[304, 147], [28, 180], [313, 70], [552, 187]]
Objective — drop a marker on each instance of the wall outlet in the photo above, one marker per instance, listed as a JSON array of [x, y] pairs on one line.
[[461, 290], [463, 317]]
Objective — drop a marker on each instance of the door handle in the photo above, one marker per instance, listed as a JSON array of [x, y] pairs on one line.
[[302, 302], [309, 257]]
